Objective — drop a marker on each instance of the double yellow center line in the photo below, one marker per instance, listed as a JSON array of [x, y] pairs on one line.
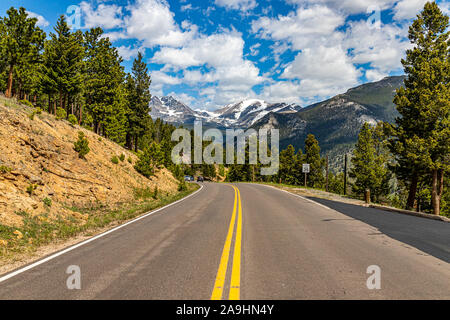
[[235, 282]]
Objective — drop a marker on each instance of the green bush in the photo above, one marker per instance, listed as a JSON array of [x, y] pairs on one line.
[[26, 102], [182, 186], [73, 119], [122, 157], [81, 145], [61, 114], [47, 202], [87, 121], [35, 112], [149, 160], [31, 188], [115, 160], [222, 170], [5, 169], [155, 193]]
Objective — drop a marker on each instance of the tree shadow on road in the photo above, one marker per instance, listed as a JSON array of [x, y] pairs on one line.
[[429, 236]]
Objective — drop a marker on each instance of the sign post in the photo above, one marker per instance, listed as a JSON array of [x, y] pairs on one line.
[[306, 169]]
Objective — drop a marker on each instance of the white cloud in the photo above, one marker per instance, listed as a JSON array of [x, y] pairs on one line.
[[223, 55], [128, 52], [41, 20], [408, 9], [282, 91], [186, 7], [348, 6], [152, 22], [445, 7], [304, 28], [159, 79], [375, 75], [328, 48], [104, 16], [243, 5], [223, 97], [323, 71], [325, 64], [383, 48], [254, 49]]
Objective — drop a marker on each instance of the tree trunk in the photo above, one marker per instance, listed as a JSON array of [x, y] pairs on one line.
[[80, 120], [19, 92], [412, 192], [60, 99], [96, 126], [10, 82], [128, 141], [136, 144], [436, 191]]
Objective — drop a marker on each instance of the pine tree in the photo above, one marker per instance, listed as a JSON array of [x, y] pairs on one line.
[[369, 162], [81, 145], [138, 86], [421, 136], [287, 165], [363, 160], [116, 123], [336, 183], [104, 76], [150, 160], [312, 157], [20, 44], [63, 58]]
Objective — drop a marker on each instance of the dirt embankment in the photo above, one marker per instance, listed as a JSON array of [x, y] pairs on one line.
[[40, 173]]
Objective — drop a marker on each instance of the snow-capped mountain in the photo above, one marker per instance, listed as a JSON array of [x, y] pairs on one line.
[[337, 121], [242, 114], [171, 110]]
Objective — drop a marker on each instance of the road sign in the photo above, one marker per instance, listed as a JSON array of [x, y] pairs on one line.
[[306, 168]]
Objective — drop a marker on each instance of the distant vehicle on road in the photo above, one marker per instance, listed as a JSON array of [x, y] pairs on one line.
[[200, 179], [189, 178]]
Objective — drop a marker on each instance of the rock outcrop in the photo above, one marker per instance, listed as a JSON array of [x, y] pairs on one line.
[[38, 166]]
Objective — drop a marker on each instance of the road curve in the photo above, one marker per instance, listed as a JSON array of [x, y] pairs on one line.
[[286, 247]]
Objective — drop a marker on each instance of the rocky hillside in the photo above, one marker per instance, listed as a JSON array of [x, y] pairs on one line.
[[40, 173]]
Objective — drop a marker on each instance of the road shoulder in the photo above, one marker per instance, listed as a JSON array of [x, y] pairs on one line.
[[60, 246]]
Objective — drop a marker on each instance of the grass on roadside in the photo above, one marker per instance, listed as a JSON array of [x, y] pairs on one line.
[[40, 230]]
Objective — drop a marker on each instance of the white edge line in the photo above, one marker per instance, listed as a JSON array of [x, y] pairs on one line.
[[39, 262], [296, 195]]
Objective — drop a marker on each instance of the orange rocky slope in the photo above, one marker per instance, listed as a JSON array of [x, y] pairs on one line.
[[40, 152]]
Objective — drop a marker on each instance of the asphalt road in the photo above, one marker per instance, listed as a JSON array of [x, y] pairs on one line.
[[251, 242]]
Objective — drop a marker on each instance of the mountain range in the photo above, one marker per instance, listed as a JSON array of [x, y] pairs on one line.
[[335, 122], [243, 114]]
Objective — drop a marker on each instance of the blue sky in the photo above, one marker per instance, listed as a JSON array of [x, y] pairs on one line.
[[212, 53]]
